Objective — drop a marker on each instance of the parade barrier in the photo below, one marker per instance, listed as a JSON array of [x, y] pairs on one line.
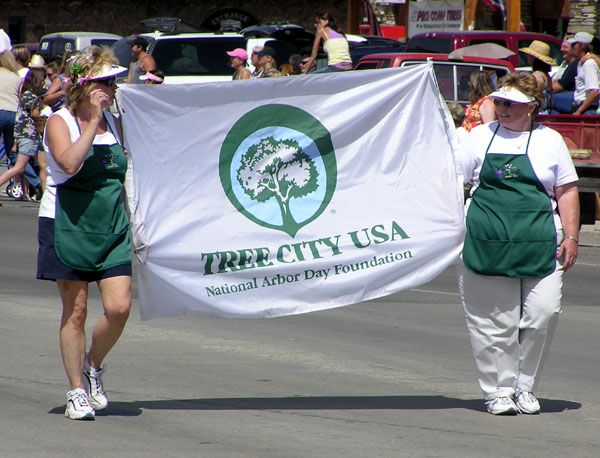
[[282, 196]]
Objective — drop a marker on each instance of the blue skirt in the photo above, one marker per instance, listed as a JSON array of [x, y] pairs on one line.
[[50, 267]]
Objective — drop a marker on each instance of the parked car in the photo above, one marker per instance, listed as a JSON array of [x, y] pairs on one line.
[[54, 45], [452, 75], [446, 42]]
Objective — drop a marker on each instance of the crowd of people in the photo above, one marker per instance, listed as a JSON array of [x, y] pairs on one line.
[[522, 211]]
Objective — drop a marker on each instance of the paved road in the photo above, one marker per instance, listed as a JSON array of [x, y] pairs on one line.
[[388, 378]]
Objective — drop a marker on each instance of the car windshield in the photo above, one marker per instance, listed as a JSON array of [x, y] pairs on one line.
[[195, 56], [430, 44]]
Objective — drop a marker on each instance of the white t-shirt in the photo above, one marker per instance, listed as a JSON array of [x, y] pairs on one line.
[[548, 154], [586, 79], [56, 175]]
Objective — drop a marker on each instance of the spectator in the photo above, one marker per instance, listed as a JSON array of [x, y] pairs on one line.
[[255, 61], [238, 59], [587, 85], [25, 132], [295, 61], [563, 82], [22, 57], [59, 87], [267, 63], [143, 62], [481, 108], [10, 82], [335, 45], [541, 65]]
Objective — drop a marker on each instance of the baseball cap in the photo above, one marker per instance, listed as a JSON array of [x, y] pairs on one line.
[[266, 51], [238, 52], [581, 37]]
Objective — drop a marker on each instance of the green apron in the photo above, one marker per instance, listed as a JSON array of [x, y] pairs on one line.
[[91, 229], [510, 222]]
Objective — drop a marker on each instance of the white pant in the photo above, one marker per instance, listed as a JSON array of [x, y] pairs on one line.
[[511, 322]]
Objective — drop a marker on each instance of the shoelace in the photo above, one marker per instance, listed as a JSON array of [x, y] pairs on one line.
[[80, 399], [504, 401], [527, 395], [96, 385]]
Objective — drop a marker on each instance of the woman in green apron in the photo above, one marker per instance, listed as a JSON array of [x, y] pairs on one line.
[[83, 228], [522, 234]]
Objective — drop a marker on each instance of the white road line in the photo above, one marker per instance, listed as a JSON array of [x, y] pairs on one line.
[[435, 292], [586, 264]]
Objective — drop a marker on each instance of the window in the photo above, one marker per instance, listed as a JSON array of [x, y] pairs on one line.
[[195, 56], [368, 65], [103, 42], [430, 44]]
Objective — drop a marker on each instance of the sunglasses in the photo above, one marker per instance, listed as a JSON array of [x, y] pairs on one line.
[[504, 103], [109, 82]]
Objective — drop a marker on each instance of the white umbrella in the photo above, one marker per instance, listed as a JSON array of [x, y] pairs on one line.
[[490, 50]]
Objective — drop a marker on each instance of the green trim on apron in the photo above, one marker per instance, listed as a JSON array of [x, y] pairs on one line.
[[91, 230], [510, 222]]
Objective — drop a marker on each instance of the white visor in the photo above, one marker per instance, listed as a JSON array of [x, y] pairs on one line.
[[512, 94]]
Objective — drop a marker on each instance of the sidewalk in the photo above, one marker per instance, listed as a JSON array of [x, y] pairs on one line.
[[590, 235]]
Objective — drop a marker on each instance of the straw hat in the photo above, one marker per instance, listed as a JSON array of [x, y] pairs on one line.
[[539, 50]]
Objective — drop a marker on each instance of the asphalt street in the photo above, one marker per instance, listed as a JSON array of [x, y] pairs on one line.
[[392, 377]]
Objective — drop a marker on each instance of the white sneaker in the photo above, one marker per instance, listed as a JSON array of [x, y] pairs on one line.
[[93, 379], [78, 406], [527, 402], [502, 405]]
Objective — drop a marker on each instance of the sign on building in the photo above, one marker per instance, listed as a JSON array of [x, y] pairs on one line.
[[435, 16]]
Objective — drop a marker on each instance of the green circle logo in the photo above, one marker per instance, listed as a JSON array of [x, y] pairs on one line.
[[277, 167]]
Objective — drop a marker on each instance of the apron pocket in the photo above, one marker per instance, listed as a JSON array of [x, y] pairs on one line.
[[92, 251], [507, 258]]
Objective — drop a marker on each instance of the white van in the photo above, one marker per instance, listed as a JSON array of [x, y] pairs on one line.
[[54, 45]]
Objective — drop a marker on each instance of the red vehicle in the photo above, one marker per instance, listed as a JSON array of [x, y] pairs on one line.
[[446, 42]]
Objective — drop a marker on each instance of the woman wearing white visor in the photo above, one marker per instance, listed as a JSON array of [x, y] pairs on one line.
[[522, 234]]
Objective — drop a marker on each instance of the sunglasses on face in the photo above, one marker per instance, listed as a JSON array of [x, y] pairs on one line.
[[109, 82], [504, 103]]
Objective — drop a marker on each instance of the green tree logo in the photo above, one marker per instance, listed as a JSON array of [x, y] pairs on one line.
[[278, 167]]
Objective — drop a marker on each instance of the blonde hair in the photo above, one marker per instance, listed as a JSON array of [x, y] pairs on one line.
[[8, 62], [525, 82], [89, 64]]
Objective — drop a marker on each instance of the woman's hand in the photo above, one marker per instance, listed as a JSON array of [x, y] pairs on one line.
[[568, 250], [567, 199], [99, 100]]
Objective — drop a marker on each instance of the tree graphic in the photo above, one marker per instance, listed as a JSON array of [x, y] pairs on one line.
[[280, 169]]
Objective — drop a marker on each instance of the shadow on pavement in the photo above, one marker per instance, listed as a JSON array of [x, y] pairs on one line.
[[314, 403]]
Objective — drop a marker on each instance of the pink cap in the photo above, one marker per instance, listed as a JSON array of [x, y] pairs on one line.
[[238, 52]]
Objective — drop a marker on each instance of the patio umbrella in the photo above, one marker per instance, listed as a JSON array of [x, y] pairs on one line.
[[490, 50]]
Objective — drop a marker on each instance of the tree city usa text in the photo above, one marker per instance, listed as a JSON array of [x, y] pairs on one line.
[[245, 259]]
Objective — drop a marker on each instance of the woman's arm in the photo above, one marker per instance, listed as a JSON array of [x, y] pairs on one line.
[[54, 93], [70, 156], [487, 112], [246, 74], [567, 199], [315, 49]]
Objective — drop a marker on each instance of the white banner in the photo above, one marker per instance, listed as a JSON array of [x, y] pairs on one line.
[[287, 195], [435, 16]]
